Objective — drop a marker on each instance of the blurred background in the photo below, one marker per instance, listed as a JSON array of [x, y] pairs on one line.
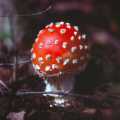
[[20, 21]]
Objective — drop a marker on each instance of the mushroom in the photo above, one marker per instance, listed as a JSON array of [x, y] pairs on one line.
[[58, 49]]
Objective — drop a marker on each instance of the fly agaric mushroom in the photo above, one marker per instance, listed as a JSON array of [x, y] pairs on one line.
[[59, 48]]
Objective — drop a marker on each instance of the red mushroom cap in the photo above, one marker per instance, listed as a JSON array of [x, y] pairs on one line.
[[59, 48]]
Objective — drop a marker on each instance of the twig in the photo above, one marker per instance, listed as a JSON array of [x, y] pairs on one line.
[[3, 84]]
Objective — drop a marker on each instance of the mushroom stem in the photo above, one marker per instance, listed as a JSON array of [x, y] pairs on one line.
[[60, 83]]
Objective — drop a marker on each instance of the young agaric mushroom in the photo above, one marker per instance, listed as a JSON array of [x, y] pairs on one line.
[[59, 48]]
